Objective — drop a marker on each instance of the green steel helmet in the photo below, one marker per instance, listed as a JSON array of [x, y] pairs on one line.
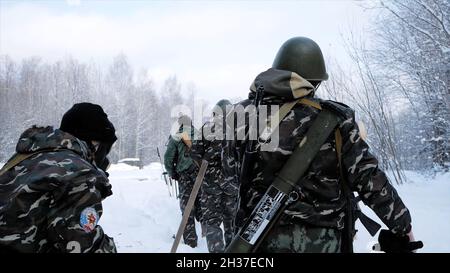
[[302, 56], [222, 104]]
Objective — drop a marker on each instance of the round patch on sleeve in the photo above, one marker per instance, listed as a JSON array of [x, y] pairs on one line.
[[88, 219]]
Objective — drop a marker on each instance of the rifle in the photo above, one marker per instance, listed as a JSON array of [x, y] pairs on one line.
[[175, 185], [250, 153], [164, 173], [190, 205]]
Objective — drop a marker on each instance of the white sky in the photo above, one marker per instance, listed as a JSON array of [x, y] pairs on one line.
[[220, 46]]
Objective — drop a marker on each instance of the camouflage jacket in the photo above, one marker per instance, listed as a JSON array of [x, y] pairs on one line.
[[177, 158], [209, 148], [51, 202], [322, 202]]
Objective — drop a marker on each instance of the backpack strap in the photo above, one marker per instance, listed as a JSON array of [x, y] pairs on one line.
[[186, 140]]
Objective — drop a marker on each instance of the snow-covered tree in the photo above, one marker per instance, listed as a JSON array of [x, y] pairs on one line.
[[36, 92], [414, 53]]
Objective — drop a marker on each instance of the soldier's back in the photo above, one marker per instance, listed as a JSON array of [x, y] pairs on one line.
[[34, 192]]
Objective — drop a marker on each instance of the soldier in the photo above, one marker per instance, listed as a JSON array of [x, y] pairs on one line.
[[219, 198], [51, 190], [315, 221], [181, 167]]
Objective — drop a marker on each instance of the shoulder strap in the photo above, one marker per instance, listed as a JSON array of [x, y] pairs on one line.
[[17, 158], [304, 153], [311, 103], [348, 234], [14, 161], [282, 112], [345, 184]]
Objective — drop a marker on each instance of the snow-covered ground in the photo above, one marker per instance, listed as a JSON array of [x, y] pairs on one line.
[[142, 217], [428, 200]]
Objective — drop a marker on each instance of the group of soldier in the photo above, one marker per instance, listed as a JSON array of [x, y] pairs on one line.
[[52, 188], [217, 201]]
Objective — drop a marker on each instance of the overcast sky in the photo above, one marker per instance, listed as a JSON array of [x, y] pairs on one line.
[[220, 46]]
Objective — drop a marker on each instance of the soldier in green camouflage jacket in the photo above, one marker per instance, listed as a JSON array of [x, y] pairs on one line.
[[181, 167], [51, 200], [315, 222]]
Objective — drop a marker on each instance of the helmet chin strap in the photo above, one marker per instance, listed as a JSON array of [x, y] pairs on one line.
[[316, 85]]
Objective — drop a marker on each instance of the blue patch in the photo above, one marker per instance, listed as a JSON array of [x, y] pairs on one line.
[[88, 219]]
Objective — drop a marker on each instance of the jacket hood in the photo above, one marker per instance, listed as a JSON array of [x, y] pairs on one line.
[[282, 83], [36, 139]]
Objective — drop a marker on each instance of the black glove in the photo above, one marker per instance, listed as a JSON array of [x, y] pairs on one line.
[[394, 243], [175, 176]]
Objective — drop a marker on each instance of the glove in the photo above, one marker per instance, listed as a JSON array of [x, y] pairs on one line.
[[175, 176], [394, 243]]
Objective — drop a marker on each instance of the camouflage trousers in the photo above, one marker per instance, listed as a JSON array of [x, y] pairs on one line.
[[219, 205], [186, 183], [297, 238]]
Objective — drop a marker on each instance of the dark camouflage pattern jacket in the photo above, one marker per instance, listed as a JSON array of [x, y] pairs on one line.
[[322, 201], [51, 202], [209, 148]]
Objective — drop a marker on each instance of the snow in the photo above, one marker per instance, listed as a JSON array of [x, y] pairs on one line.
[[140, 215], [129, 159], [120, 167], [428, 200]]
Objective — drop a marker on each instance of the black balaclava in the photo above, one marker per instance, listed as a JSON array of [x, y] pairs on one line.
[[89, 122]]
